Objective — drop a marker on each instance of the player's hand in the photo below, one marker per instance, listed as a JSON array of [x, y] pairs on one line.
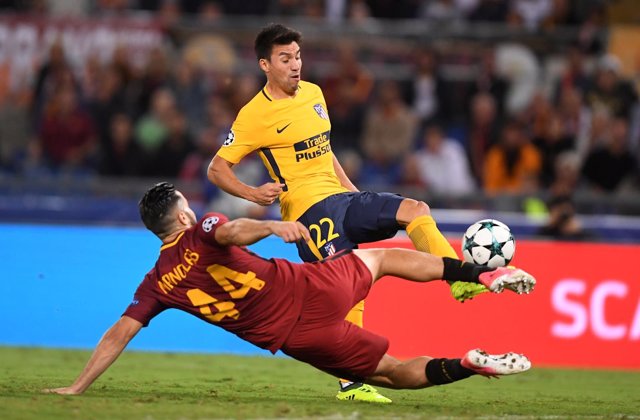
[[267, 193], [67, 390], [290, 231]]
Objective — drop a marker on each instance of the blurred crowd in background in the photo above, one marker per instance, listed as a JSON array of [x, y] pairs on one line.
[[499, 117]]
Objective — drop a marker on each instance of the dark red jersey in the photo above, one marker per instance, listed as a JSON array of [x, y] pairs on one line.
[[259, 300]]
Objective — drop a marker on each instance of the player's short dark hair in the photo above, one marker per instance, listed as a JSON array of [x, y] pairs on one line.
[[155, 205], [274, 34]]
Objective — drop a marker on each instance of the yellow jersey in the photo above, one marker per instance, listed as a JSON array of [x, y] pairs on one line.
[[292, 137]]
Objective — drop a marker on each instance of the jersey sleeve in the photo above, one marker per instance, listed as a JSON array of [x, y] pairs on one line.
[[206, 228], [241, 139], [144, 307]]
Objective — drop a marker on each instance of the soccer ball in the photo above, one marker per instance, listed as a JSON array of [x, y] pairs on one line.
[[488, 242]]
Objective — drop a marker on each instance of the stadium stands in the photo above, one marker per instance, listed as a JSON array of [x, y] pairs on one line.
[[94, 109]]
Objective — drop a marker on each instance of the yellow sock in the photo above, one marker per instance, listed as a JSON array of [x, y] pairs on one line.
[[356, 314], [427, 238]]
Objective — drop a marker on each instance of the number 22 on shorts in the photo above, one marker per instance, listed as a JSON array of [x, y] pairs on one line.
[[317, 228]]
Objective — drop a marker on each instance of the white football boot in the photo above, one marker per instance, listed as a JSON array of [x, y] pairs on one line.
[[493, 365], [510, 278]]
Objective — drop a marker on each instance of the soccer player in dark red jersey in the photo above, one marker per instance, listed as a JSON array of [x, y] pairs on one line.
[[205, 270]]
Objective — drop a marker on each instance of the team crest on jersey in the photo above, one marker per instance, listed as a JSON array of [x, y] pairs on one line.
[[230, 138], [209, 222], [330, 249], [321, 111]]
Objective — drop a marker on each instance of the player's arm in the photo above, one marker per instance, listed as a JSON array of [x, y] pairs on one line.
[[221, 174], [245, 231], [342, 176], [109, 348]]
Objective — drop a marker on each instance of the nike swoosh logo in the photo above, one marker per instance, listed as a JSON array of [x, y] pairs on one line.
[[280, 130]]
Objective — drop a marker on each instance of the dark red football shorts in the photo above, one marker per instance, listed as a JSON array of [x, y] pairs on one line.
[[322, 337]]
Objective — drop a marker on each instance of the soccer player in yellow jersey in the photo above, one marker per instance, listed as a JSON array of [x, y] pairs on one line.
[[287, 124]]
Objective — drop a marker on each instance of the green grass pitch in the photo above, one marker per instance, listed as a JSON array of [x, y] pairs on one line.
[[150, 386]]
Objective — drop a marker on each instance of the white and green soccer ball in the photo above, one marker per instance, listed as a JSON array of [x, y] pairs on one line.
[[488, 242]]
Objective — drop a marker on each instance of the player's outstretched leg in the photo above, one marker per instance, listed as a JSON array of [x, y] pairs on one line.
[[493, 365], [424, 371], [422, 267]]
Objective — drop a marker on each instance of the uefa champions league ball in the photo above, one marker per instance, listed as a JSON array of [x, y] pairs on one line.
[[488, 242]]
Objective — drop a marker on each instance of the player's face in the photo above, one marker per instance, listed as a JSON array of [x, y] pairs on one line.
[[284, 67]]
